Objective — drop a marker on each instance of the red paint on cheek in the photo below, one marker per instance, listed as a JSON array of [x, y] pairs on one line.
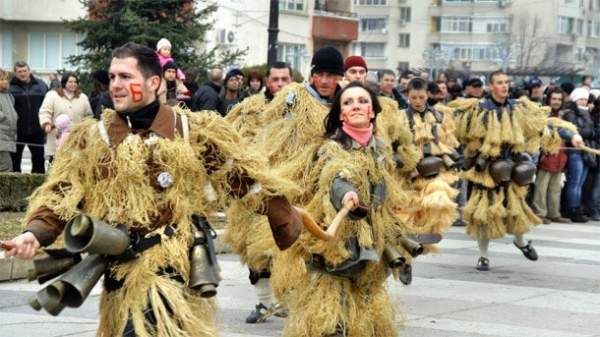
[[136, 94]]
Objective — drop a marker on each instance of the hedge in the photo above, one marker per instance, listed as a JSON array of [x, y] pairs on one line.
[[15, 188]]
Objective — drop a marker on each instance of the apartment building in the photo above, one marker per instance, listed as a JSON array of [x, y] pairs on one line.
[[480, 35], [33, 31], [392, 33], [304, 26]]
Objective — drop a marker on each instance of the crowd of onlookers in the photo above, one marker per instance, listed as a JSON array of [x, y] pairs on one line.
[[38, 116]]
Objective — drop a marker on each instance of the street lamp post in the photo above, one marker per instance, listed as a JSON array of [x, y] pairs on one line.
[[273, 31]]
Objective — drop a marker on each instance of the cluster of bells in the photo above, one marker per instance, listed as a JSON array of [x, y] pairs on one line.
[[91, 246]]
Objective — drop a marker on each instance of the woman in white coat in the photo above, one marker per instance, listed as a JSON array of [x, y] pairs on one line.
[[66, 100]]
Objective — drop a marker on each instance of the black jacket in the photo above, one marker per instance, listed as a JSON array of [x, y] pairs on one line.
[[28, 99], [100, 102], [581, 119], [207, 97], [402, 104]]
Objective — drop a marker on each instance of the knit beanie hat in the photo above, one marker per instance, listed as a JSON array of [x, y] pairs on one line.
[[327, 59], [169, 65], [355, 61], [231, 73], [163, 43], [579, 93]]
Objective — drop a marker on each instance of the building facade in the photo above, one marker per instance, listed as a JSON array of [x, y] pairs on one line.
[[31, 31], [304, 26], [479, 35]]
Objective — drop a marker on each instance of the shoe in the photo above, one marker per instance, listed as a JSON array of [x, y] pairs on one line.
[[483, 264], [545, 220], [579, 217], [528, 251], [258, 315], [459, 223], [559, 219], [594, 217], [405, 275], [280, 311]]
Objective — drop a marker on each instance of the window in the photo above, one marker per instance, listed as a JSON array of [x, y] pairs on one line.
[[373, 24], [566, 25], [405, 14], [404, 41], [483, 52], [370, 2], [51, 50], [589, 28], [291, 54], [597, 29], [6, 50], [580, 27], [369, 49], [457, 24], [496, 28], [292, 5]]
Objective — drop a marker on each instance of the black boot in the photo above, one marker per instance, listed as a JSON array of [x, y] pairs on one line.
[[577, 216]]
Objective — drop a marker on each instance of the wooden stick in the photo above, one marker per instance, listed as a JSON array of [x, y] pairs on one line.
[[583, 148], [313, 228]]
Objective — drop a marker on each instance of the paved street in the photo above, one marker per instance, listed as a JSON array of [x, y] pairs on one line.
[[558, 296]]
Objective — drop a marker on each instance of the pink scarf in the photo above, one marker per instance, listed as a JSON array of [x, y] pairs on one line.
[[361, 135]]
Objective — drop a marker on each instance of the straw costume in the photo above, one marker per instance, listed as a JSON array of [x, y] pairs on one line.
[[149, 180], [498, 138], [245, 116], [340, 290], [431, 208]]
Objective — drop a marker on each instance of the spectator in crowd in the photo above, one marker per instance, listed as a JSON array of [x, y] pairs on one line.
[[66, 100], [592, 192], [424, 75], [191, 76], [207, 96], [230, 93], [54, 82], [403, 84], [387, 78], [546, 197], [163, 51], [355, 69], [568, 88], [434, 94], [100, 97], [586, 82], [536, 90], [441, 78], [29, 92], [578, 162], [443, 95], [454, 92], [171, 89], [474, 88], [8, 124], [255, 83]]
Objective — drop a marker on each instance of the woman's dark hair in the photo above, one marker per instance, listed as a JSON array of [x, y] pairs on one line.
[[333, 122], [553, 91], [254, 74], [65, 78]]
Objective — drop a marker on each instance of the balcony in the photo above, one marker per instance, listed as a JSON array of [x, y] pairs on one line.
[[331, 25]]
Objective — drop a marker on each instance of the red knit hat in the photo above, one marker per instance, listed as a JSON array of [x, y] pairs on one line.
[[355, 61]]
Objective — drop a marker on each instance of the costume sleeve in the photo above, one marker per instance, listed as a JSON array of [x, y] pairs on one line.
[[58, 199]]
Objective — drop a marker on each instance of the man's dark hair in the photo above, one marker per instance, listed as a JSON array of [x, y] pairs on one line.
[[552, 92], [279, 65], [494, 74], [384, 72], [417, 83], [585, 77], [567, 87], [20, 64], [148, 62], [65, 78]]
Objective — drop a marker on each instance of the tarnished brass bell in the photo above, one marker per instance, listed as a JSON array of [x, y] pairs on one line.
[[86, 234], [393, 257], [74, 286], [414, 249], [204, 276]]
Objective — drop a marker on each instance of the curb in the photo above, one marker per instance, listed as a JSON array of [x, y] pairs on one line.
[[15, 269]]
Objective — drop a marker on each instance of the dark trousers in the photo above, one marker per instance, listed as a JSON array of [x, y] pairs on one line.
[[37, 153]]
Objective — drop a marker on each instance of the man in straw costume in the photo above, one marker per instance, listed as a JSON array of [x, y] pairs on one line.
[[289, 134], [149, 168], [499, 135], [248, 235]]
